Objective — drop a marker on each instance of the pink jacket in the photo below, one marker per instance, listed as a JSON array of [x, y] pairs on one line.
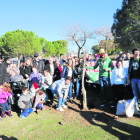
[[4, 95]]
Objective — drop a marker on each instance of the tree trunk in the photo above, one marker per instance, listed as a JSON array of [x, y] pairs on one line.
[[83, 86], [79, 52], [18, 62]]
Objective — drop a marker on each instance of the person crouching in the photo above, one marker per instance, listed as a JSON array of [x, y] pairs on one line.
[[24, 103], [39, 99], [61, 87]]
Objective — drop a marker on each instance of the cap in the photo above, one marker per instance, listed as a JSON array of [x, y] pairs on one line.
[[101, 51], [36, 55]]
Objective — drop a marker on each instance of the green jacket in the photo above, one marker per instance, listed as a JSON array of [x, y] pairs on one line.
[[107, 63]]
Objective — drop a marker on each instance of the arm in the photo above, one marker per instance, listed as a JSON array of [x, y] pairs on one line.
[[124, 74], [20, 103], [95, 66], [111, 67], [112, 77]]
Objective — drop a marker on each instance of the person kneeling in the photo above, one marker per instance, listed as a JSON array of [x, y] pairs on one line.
[[39, 99], [5, 90], [61, 87], [24, 103]]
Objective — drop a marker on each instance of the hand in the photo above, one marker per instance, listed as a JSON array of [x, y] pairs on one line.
[[106, 69], [26, 75], [64, 97], [119, 75], [74, 80]]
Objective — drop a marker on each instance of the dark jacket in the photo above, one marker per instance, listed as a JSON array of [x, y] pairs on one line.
[[56, 75], [3, 73], [39, 64], [7, 75], [130, 67], [25, 70]]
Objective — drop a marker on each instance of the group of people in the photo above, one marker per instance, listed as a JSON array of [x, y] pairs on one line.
[[58, 77]]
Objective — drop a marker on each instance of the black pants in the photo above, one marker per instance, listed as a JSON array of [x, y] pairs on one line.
[[50, 94], [119, 91]]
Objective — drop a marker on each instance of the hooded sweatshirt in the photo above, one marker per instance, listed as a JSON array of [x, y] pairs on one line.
[[103, 63], [115, 79]]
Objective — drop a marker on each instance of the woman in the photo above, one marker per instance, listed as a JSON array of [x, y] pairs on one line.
[[118, 79], [68, 71], [58, 71]]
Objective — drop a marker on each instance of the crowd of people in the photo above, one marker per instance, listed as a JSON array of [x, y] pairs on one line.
[[58, 77]]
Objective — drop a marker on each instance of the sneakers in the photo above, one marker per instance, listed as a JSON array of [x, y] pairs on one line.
[[103, 104], [64, 106], [23, 117], [60, 109], [66, 103], [137, 106], [71, 101]]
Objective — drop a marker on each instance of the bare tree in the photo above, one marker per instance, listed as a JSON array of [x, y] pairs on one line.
[[104, 32], [77, 34]]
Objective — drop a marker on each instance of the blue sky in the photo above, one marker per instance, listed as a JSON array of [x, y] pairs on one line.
[[47, 18]]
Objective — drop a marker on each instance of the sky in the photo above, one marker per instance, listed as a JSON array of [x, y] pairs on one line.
[[47, 18]]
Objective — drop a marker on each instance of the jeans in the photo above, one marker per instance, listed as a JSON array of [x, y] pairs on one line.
[[61, 100], [105, 87], [26, 112], [5, 106], [70, 91], [135, 83], [78, 86]]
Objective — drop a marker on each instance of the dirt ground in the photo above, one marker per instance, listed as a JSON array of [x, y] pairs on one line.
[[95, 115]]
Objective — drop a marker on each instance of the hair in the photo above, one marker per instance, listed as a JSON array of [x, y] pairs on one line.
[[29, 60], [118, 62], [82, 52], [61, 54], [40, 92], [72, 66], [24, 89], [68, 78], [47, 70], [133, 51], [34, 67], [6, 86], [89, 54]]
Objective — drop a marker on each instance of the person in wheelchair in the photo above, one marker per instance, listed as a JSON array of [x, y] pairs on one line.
[[5, 90]]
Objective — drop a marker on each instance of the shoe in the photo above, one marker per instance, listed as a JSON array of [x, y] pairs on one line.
[[9, 113], [64, 106], [38, 111], [66, 103], [23, 117], [43, 108], [52, 104], [3, 115], [60, 109], [103, 104], [137, 106], [71, 101]]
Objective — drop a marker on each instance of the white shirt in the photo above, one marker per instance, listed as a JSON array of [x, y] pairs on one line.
[[52, 68], [70, 72]]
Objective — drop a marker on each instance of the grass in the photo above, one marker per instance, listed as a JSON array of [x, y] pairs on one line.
[[77, 125]]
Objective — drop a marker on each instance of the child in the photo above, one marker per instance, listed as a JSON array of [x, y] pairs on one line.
[[5, 90], [33, 90], [34, 76], [24, 103], [39, 100]]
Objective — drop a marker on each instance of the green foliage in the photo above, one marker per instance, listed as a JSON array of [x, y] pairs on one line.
[[110, 45], [126, 25], [55, 47], [19, 42]]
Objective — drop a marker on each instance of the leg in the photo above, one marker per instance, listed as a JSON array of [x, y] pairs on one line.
[[3, 110], [135, 88], [70, 91], [77, 87]]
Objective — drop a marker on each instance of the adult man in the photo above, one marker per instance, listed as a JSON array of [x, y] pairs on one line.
[[60, 87], [120, 54], [3, 72], [105, 66], [128, 57], [61, 59], [38, 63], [89, 58], [134, 74]]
